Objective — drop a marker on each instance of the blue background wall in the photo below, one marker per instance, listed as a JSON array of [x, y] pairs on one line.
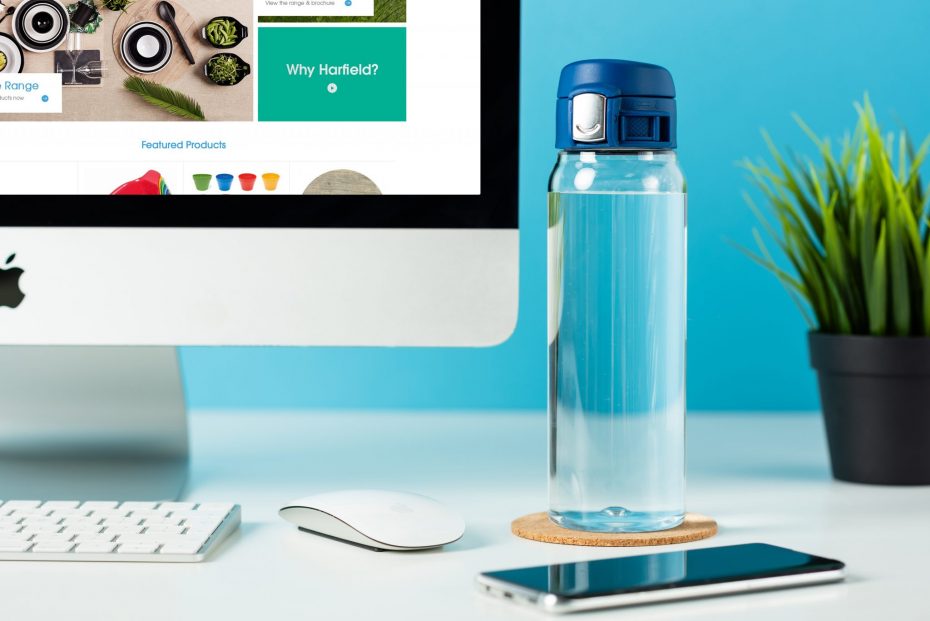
[[739, 65]]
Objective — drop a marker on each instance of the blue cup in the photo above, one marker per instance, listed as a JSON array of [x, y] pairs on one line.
[[225, 182]]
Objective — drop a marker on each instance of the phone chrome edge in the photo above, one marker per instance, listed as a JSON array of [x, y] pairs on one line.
[[555, 604]]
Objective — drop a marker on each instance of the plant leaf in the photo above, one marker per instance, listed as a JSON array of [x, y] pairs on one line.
[[878, 294], [926, 300], [169, 100], [854, 226], [900, 290], [792, 286], [790, 182]]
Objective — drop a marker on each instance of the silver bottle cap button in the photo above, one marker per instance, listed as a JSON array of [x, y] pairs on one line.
[[589, 118]]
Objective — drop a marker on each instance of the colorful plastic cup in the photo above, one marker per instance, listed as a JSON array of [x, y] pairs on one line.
[[225, 182], [271, 181], [203, 182], [247, 181]]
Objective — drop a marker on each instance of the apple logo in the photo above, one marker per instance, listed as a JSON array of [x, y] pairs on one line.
[[10, 293]]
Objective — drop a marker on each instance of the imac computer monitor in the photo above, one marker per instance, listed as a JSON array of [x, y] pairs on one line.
[[282, 173]]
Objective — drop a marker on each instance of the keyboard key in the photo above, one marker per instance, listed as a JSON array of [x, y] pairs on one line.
[[42, 524], [139, 538], [36, 520], [95, 547], [39, 531], [137, 548], [125, 529], [83, 530], [99, 505], [180, 548], [21, 504], [64, 514], [177, 506], [125, 521], [79, 539], [16, 547], [82, 522], [150, 514], [53, 547], [165, 529], [215, 507], [24, 513], [103, 514], [168, 521], [138, 506], [205, 521], [51, 536], [56, 505]]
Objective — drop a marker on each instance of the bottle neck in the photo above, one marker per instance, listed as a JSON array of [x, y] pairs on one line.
[[617, 170]]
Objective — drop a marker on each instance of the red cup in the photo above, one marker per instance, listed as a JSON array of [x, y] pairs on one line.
[[247, 180]]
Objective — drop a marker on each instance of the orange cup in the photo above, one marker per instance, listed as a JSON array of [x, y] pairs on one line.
[[271, 181]]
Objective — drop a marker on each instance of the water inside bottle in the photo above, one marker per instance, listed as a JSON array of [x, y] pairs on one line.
[[617, 360]]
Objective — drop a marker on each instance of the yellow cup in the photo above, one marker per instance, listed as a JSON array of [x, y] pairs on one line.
[[271, 181]]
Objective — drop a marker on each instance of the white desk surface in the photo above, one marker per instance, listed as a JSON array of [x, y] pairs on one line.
[[764, 477]]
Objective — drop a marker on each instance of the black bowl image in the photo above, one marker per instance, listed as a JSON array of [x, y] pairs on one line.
[[226, 69], [146, 47], [41, 25], [224, 32]]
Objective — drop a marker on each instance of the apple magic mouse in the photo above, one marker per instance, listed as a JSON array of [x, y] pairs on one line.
[[378, 519]]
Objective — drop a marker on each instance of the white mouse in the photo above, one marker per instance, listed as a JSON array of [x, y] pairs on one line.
[[377, 519]]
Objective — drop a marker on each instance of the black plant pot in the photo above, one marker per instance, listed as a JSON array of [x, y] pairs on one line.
[[875, 393]]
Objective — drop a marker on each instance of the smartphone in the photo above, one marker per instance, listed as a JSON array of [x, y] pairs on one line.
[[652, 578]]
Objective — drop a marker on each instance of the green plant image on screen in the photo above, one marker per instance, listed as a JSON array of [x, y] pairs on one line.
[[386, 11], [854, 228], [332, 74]]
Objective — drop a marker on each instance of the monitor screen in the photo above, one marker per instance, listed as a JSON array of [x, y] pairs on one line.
[[247, 98]]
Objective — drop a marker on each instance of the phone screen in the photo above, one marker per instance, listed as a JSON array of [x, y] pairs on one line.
[[666, 570]]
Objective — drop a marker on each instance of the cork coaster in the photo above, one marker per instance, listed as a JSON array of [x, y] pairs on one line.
[[538, 527]]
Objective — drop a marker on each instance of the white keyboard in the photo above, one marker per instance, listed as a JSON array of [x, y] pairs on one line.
[[161, 532]]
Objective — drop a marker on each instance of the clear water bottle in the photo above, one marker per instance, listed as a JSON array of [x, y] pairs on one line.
[[617, 296]]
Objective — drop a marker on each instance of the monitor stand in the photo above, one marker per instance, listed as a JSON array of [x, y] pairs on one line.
[[92, 423]]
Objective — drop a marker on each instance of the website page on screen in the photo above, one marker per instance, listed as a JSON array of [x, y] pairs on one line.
[[297, 97]]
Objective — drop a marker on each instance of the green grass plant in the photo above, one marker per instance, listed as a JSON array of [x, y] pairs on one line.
[[853, 226]]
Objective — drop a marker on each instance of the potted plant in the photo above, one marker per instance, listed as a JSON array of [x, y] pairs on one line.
[[854, 229]]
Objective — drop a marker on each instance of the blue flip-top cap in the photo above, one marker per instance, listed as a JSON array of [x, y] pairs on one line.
[[616, 104]]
